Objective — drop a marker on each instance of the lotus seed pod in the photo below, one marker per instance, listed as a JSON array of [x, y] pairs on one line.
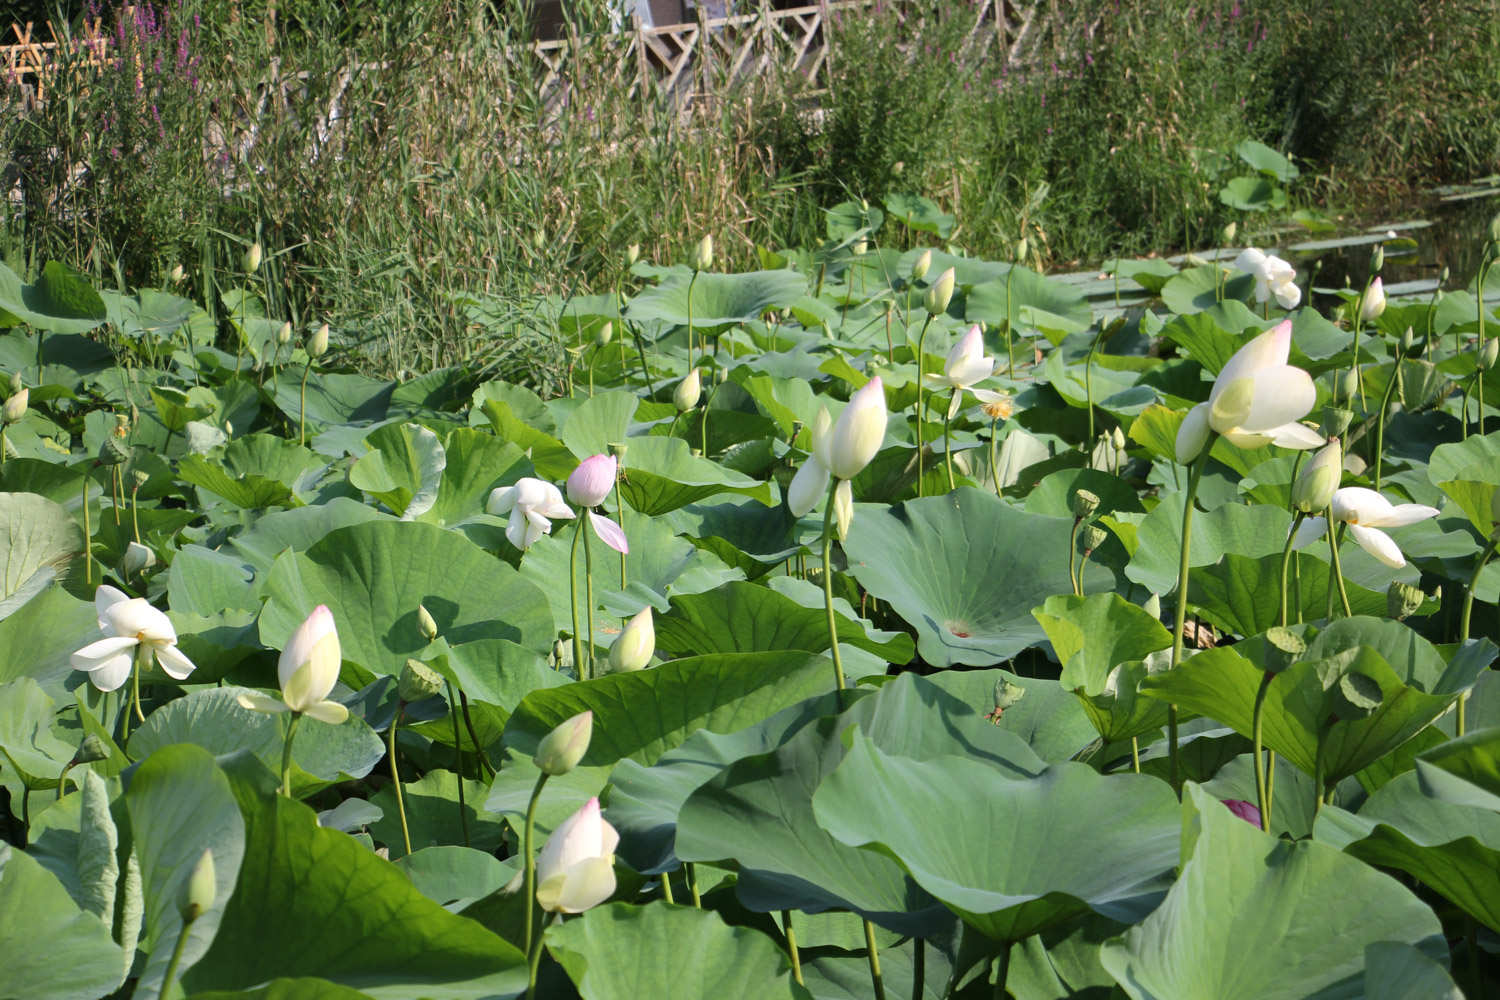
[[1283, 648], [139, 477], [1319, 479], [426, 623], [1335, 422], [317, 345], [605, 334], [941, 293], [562, 748], [1093, 536], [176, 274], [688, 391], [15, 407], [1377, 258], [1489, 354], [418, 681], [618, 449], [252, 258], [1402, 600], [921, 265], [113, 451], [91, 749], [1085, 503], [199, 890]]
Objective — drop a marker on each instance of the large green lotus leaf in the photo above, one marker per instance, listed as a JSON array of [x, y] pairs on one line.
[[206, 582], [1416, 661], [213, 718], [745, 533], [1093, 635], [38, 638], [303, 988], [1474, 758], [510, 793], [598, 422], [1148, 272], [743, 617], [1234, 527], [180, 805], [519, 417], [1054, 493], [1193, 291], [1026, 299], [1395, 971], [1453, 849], [1253, 194], [49, 948], [298, 529], [157, 316], [456, 876], [402, 468], [644, 713], [1241, 595], [965, 570], [718, 300], [1469, 472], [57, 359], [845, 974], [660, 565], [920, 214], [1051, 847], [1223, 929], [787, 401], [1267, 160], [27, 744], [477, 463], [373, 576], [1221, 683], [76, 839], [38, 539], [61, 301], [1110, 375], [758, 813], [661, 474], [1047, 716], [432, 815], [623, 952], [317, 903]]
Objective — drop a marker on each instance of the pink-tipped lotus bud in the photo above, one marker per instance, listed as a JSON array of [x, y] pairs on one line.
[[591, 482], [562, 749]]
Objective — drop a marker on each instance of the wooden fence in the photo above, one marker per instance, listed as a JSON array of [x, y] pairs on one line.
[[683, 63]]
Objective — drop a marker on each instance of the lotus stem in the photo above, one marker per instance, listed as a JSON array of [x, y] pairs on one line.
[[529, 859], [921, 375], [1463, 621], [692, 881], [286, 763], [1484, 265], [1338, 570], [395, 774], [1286, 557], [1073, 557], [833, 632], [176, 960], [135, 509], [918, 968], [791, 944], [666, 888], [534, 961], [1010, 358], [485, 770], [458, 753], [588, 583], [948, 440], [874, 955], [1135, 754], [573, 596], [640, 346], [1195, 473], [135, 683], [1385, 403], [88, 535], [1262, 793], [994, 462]]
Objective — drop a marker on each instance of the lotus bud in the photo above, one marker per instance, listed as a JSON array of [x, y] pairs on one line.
[[176, 274], [284, 335], [1348, 385], [633, 649], [1117, 438], [1152, 606], [961, 463], [137, 558], [562, 749], [1402, 600], [418, 681], [91, 749], [921, 265], [1246, 811], [591, 482], [1230, 231], [1283, 648], [1442, 278], [858, 433], [1372, 303], [688, 391], [941, 293], [426, 623], [843, 507], [1093, 536], [1313, 491], [703, 255], [1377, 258], [632, 254], [15, 407], [1085, 503], [16, 385], [252, 258], [1192, 435], [199, 890], [605, 334], [1023, 247], [1408, 341], [1488, 354], [317, 345], [1494, 230]]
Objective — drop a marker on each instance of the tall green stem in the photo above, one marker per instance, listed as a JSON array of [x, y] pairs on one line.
[[390, 751], [578, 664], [1463, 622], [833, 631], [529, 856], [1286, 561], [302, 405], [1195, 473], [88, 535], [588, 584], [921, 376], [1262, 793], [1010, 358], [994, 462], [948, 439], [458, 753], [791, 944], [1385, 404], [286, 757], [1073, 557], [1338, 570], [1484, 265], [171, 977], [534, 962], [876, 980]]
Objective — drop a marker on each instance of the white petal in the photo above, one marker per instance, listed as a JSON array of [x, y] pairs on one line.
[[330, 712], [1193, 434], [105, 598], [1266, 352], [136, 617], [501, 500], [255, 701], [1249, 260], [1309, 531], [1378, 544], [518, 530], [173, 662], [1400, 515], [1282, 395], [1288, 294], [609, 533], [970, 371], [1247, 440], [1298, 437], [579, 888], [1359, 503], [107, 662], [808, 486]]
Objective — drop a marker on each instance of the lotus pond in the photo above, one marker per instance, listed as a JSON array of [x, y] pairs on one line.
[[877, 623]]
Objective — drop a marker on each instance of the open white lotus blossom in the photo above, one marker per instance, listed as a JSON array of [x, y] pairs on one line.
[[1256, 400], [531, 504], [966, 365], [307, 671], [1366, 512], [810, 484], [576, 869], [130, 625], [1273, 276]]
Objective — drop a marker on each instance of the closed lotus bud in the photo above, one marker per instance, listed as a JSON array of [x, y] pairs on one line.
[[1442, 279], [703, 255], [921, 265], [605, 334], [688, 391], [632, 254], [284, 335], [633, 649], [941, 293], [199, 890], [1377, 258], [1117, 438], [1495, 229], [91, 749], [562, 749], [426, 623], [252, 258], [1348, 385], [15, 407], [1247, 811], [1489, 354], [1152, 606], [591, 482], [1372, 303], [1085, 503], [176, 274], [858, 433], [137, 558], [1230, 231], [1408, 341], [1023, 247], [1319, 479], [418, 681], [843, 507], [1402, 600], [317, 345], [1092, 537]]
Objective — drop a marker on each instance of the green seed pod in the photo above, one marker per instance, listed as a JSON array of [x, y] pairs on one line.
[[1402, 600], [418, 681], [1283, 648], [91, 749], [1092, 537], [1084, 504], [114, 451]]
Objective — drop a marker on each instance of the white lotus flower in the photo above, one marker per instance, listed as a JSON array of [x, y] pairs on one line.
[[858, 433], [1366, 512], [633, 648], [1372, 302], [1273, 276], [130, 625], [810, 484], [966, 362], [1256, 400], [531, 504], [589, 484], [307, 671], [576, 869]]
